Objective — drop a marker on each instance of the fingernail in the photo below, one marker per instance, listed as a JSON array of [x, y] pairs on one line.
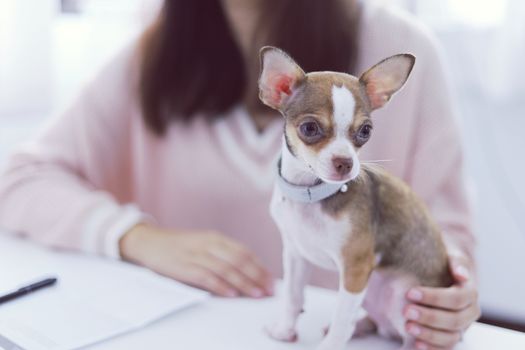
[[414, 330], [421, 346], [256, 293], [412, 314], [415, 295], [462, 271]]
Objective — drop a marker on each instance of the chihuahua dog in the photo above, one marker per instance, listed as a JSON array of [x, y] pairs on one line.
[[342, 215]]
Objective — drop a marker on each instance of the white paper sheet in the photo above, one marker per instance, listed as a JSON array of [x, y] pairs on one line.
[[94, 299]]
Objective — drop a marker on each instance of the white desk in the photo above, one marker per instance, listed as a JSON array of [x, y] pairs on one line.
[[223, 324], [237, 324]]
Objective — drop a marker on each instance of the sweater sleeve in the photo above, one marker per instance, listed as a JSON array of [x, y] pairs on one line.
[[53, 189], [436, 170]]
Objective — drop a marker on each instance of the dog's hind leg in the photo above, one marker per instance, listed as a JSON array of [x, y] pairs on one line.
[[386, 301], [364, 326]]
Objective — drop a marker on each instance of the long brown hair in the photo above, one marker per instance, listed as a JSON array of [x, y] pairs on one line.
[[192, 64]]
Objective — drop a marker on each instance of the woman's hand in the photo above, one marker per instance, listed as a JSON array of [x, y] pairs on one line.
[[207, 260], [439, 316]]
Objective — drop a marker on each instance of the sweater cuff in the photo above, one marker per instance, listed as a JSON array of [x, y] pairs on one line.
[[106, 225], [129, 216]]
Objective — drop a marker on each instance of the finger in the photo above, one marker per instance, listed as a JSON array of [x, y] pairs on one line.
[[433, 337], [458, 267], [202, 278], [441, 319], [231, 275], [453, 298], [247, 264]]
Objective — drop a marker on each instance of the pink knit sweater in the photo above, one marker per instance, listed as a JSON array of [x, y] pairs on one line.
[[96, 170]]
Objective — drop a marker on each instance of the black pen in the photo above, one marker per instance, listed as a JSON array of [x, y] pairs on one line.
[[27, 289]]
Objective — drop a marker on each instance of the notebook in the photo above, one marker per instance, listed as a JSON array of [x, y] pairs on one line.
[[94, 299]]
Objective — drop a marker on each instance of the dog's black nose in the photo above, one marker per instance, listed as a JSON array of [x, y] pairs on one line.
[[342, 165]]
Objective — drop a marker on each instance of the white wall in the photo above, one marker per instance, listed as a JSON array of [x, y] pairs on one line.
[[25, 56], [46, 56]]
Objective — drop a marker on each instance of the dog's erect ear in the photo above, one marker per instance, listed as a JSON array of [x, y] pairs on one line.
[[280, 75], [385, 78]]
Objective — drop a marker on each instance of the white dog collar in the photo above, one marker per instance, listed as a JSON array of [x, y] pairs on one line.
[[307, 194]]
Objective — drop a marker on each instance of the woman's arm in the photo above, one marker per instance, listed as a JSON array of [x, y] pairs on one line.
[[69, 188], [51, 189], [438, 316], [204, 259]]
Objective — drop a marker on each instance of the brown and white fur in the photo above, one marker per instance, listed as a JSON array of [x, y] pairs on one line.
[[378, 234]]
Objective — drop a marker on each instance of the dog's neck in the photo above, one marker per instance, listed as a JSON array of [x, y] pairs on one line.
[[294, 170]]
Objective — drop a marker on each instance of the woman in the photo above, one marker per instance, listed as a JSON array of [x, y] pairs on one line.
[[166, 159]]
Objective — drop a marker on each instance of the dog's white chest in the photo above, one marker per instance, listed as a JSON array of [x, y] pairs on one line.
[[315, 235]]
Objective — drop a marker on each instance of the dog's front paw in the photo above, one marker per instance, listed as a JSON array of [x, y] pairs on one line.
[[282, 333]]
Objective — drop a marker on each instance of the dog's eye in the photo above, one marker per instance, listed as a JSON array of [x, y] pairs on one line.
[[364, 134], [311, 131]]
